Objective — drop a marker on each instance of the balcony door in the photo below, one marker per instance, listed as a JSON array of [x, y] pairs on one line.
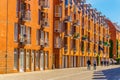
[[71, 60], [74, 61], [32, 62], [21, 60], [64, 62], [41, 61], [82, 61]]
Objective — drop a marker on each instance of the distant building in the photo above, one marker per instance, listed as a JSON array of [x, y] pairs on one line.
[[115, 38]]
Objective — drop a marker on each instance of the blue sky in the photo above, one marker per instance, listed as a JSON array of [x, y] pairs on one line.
[[109, 8]]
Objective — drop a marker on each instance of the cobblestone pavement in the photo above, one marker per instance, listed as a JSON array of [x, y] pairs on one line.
[[102, 73]]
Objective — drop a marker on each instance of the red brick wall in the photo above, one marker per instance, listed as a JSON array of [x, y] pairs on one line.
[[112, 30]]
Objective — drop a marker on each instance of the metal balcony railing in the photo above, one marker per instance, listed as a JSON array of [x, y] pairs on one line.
[[25, 15], [44, 4]]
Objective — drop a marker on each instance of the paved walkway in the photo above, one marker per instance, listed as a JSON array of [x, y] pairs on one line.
[[102, 73]]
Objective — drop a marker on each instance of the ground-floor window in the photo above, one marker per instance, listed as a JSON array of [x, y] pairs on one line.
[[15, 58]]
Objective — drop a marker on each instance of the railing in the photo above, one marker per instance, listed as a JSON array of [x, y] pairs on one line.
[[68, 19], [23, 40], [65, 48], [44, 22], [25, 15], [44, 4]]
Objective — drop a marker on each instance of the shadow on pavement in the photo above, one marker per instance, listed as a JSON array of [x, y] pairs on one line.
[[108, 74]]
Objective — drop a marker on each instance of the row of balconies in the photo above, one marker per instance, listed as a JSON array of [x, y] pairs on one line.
[[23, 41]]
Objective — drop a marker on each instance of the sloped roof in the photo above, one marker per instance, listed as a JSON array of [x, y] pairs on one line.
[[117, 27]]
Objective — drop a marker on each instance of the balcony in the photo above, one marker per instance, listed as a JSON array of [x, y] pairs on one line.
[[61, 0], [101, 42], [89, 51], [84, 37], [42, 43], [68, 19], [25, 15], [76, 36], [76, 23], [75, 49], [82, 49], [57, 42], [23, 40], [107, 36], [106, 44], [46, 43], [44, 4], [44, 23], [57, 45], [65, 48], [58, 28], [67, 34]]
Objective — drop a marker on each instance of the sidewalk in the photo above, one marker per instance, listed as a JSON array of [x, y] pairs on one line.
[[57, 74]]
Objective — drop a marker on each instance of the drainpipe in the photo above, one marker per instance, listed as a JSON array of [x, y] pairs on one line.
[[6, 34]]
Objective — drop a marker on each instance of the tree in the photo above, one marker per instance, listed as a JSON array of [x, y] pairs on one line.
[[111, 49]]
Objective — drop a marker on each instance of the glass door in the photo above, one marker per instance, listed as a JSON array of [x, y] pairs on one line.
[[41, 61], [32, 62], [21, 60]]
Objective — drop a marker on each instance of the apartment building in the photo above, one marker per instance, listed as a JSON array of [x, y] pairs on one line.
[[26, 35], [80, 33], [44, 34], [114, 39]]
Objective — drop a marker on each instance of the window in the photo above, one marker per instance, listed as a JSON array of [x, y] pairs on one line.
[[37, 59], [28, 59], [28, 35], [15, 32], [37, 37], [15, 58], [58, 11], [46, 59]]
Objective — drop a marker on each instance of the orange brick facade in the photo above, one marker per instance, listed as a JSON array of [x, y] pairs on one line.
[[33, 38], [44, 34]]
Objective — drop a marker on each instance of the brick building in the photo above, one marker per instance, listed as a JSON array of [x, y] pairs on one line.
[[26, 35], [115, 38], [83, 35], [42, 34]]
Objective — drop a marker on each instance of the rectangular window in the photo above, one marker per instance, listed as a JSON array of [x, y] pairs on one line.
[[37, 37], [15, 32], [15, 58], [28, 59], [37, 59], [29, 35]]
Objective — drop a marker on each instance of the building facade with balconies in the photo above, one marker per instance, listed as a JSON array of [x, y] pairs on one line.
[[45, 34], [80, 33], [26, 35]]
